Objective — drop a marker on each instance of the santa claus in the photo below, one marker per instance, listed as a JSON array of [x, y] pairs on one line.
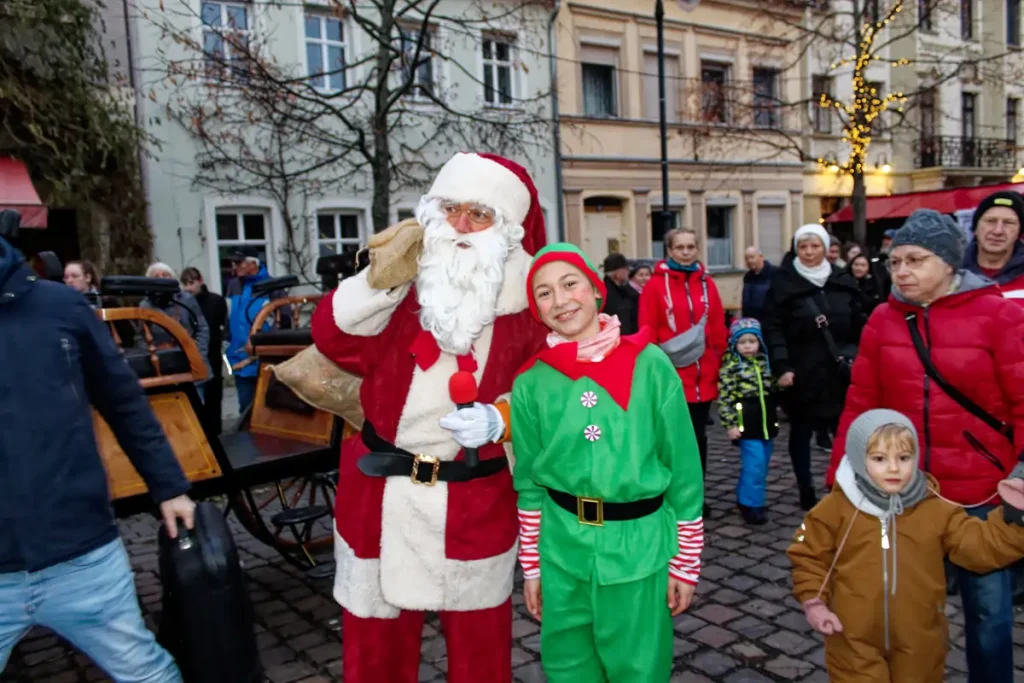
[[417, 528]]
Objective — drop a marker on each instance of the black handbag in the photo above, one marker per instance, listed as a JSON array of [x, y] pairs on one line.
[[844, 356]]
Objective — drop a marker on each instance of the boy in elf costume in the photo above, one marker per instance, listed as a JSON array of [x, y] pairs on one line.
[[609, 481]]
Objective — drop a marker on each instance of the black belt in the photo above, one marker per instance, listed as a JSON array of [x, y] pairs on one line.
[[388, 460], [595, 512]]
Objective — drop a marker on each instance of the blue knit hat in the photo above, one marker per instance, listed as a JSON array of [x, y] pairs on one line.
[[742, 326], [936, 232]]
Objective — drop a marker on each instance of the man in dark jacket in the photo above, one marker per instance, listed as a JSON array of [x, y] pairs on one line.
[[623, 300], [62, 564], [756, 283], [215, 310]]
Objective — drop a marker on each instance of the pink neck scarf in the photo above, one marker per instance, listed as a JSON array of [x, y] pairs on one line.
[[598, 347]]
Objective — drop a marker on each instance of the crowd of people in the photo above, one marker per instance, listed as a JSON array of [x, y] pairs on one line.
[[910, 361], [219, 325]]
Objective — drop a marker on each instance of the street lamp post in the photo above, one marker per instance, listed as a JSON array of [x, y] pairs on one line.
[[664, 221]]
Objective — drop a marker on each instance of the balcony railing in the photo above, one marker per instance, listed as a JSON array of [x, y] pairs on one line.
[[948, 150]]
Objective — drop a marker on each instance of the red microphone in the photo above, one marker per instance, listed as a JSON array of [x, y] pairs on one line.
[[463, 392]]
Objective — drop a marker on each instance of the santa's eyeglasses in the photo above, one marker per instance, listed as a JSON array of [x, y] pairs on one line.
[[476, 213]]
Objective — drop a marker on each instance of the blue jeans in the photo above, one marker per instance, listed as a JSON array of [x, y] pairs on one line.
[[988, 620], [246, 389], [754, 457], [90, 601]]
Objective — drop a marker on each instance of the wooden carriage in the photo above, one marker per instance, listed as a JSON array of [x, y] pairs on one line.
[[277, 470]]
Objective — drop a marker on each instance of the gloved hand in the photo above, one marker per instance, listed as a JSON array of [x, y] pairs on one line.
[[1011, 490], [476, 426], [821, 618]]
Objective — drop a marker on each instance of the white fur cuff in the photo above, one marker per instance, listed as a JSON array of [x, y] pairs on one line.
[[361, 310]]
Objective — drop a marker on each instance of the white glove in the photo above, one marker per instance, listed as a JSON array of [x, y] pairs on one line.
[[476, 426]]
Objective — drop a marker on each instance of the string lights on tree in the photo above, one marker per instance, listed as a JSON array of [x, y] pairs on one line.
[[867, 104]]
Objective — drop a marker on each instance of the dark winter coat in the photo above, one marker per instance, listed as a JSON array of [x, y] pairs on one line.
[[215, 310], [871, 290], [755, 291], [1010, 278], [976, 341], [57, 361], [623, 301], [796, 344]]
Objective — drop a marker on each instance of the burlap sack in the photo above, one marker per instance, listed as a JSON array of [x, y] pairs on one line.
[[322, 384], [394, 254]]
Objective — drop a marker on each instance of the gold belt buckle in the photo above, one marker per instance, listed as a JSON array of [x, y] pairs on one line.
[[581, 511], [430, 460]]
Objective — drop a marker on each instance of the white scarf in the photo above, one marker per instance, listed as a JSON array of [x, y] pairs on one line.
[[817, 275]]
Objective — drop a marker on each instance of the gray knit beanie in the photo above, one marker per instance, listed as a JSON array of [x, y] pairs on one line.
[[936, 232]]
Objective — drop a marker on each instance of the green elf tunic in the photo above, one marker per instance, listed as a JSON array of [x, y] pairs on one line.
[[618, 430]]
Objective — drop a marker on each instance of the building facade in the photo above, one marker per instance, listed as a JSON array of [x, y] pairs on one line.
[[198, 224], [734, 175], [960, 124], [965, 125]]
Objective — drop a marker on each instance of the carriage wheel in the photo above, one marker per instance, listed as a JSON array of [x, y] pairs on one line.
[[294, 516]]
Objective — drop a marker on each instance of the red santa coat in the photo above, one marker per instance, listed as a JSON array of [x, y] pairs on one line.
[[401, 545]]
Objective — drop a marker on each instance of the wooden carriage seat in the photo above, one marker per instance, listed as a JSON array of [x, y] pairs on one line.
[[303, 436], [163, 374], [283, 343]]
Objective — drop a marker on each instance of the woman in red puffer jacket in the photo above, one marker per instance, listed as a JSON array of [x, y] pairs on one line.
[[682, 279], [975, 339]]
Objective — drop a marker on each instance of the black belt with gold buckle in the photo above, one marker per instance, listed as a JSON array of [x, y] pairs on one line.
[[388, 460], [595, 511]]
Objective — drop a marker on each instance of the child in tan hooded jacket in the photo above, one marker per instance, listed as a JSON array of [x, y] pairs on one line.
[[867, 560]]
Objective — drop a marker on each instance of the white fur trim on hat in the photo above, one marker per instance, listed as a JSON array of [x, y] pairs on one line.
[[472, 178], [811, 230]]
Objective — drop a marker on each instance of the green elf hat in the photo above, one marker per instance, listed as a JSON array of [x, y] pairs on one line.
[[570, 253]]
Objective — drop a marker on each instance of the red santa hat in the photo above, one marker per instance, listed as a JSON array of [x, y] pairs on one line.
[[498, 183]]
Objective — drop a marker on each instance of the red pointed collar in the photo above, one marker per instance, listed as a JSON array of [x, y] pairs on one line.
[[614, 374], [426, 352]]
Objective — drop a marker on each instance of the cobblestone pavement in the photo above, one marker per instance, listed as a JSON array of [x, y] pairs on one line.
[[744, 627]]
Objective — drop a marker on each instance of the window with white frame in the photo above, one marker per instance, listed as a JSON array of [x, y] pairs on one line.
[[325, 52], [1012, 105], [822, 85], [417, 61], [240, 231], [720, 231], [227, 33], [673, 84], [714, 77], [766, 98], [658, 229], [499, 81], [599, 77], [338, 232]]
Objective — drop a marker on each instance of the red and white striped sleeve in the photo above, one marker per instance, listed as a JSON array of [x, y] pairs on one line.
[[685, 566], [529, 533]]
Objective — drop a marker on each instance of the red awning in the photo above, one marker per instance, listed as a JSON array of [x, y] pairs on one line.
[[17, 192], [943, 201]]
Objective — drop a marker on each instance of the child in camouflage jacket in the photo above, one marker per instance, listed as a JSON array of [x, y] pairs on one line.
[[748, 411]]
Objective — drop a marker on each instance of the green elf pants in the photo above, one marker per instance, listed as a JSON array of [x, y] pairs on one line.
[[605, 634]]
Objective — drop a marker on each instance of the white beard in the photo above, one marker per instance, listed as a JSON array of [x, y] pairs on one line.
[[457, 286]]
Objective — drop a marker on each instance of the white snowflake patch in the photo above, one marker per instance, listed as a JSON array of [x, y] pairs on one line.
[[592, 433], [588, 399]]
